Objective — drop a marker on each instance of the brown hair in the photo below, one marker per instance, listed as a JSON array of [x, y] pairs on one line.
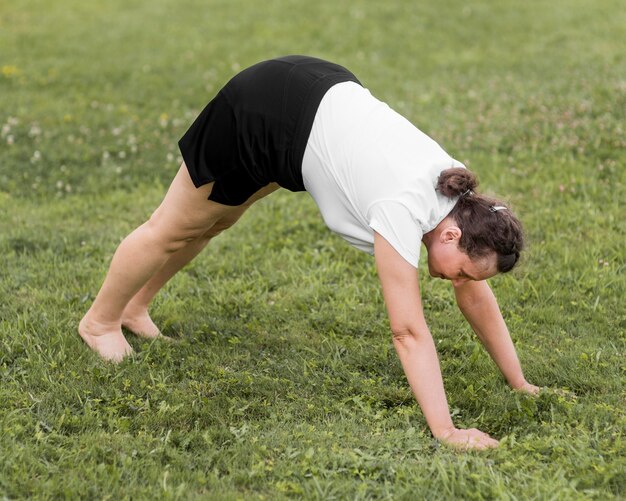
[[486, 225]]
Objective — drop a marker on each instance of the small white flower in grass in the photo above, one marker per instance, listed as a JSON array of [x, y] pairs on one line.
[[163, 119], [59, 185], [36, 157], [12, 121], [118, 170], [170, 157], [34, 131], [10, 139], [106, 155], [6, 128], [116, 131], [122, 154]]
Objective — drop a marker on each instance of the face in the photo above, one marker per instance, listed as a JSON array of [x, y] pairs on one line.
[[447, 261]]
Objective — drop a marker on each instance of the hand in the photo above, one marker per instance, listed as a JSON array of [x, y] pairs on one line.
[[468, 439], [528, 388]]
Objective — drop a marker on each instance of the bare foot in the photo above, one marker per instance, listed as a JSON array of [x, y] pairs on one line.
[[138, 321], [107, 341]]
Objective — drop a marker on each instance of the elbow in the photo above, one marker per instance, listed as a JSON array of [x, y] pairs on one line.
[[400, 333], [407, 337], [470, 294]]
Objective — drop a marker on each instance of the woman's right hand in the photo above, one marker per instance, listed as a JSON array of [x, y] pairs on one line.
[[468, 439]]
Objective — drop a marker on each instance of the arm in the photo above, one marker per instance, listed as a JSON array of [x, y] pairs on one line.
[[415, 346], [479, 306]]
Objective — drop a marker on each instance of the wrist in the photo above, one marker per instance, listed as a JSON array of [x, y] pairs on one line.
[[516, 384], [443, 432]]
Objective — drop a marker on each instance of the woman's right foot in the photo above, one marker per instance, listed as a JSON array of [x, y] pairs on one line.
[[106, 340], [138, 321]]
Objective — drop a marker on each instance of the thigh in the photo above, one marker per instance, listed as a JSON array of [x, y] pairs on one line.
[[233, 215], [186, 213], [263, 192]]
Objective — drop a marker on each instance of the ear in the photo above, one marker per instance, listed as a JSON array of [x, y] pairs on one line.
[[450, 234]]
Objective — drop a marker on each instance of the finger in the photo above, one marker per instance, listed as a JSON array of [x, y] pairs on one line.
[[484, 441], [485, 435], [492, 442], [481, 446], [474, 432]]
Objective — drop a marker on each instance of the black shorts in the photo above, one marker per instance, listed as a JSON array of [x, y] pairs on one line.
[[256, 129]]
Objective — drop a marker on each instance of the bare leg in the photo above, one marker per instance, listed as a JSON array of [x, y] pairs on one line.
[[184, 216], [136, 317]]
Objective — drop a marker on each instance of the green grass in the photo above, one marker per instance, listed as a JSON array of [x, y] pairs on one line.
[[284, 382]]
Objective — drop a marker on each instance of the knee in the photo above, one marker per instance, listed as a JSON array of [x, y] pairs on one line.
[[221, 225], [216, 229], [170, 238]]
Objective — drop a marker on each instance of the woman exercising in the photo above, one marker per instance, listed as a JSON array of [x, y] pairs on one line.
[[302, 123]]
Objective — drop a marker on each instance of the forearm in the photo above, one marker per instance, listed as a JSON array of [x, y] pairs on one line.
[[419, 360], [501, 349], [481, 310]]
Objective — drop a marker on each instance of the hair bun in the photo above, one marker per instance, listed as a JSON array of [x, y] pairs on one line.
[[452, 182]]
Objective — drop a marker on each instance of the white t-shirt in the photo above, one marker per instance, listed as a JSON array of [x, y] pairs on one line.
[[369, 169]]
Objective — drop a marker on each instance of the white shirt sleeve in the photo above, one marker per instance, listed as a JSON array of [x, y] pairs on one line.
[[394, 222]]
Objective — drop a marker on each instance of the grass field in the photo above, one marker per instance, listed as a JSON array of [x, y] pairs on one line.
[[284, 382]]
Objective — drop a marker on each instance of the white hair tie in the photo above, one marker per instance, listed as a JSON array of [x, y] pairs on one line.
[[496, 208]]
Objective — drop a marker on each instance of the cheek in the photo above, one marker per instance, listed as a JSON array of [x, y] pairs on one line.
[[434, 260], [437, 256], [444, 260]]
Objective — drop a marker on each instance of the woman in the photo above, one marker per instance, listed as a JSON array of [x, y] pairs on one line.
[[306, 124]]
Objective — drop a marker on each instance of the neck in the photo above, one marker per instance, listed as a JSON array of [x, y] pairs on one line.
[[429, 238]]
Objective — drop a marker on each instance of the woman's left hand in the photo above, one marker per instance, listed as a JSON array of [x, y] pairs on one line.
[[528, 388]]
